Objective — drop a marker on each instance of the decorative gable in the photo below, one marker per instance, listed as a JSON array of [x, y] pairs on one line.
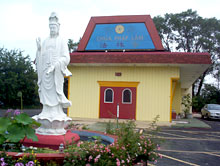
[[115, 33]]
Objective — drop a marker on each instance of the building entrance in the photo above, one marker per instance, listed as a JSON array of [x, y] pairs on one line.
[[112, 97]]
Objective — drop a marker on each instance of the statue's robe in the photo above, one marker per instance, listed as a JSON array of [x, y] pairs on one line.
[[54, 52]]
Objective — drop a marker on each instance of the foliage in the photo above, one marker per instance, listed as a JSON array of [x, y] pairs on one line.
[[29, 160], [17, 75], [130, 147], [6, 160], [85, 127], [188, 32], [32, 149], [209, 95], [72, 45], [197, 103], [51, 163], [154, 129], [74, 126], [187, 103], [110, 128], [14, 128]]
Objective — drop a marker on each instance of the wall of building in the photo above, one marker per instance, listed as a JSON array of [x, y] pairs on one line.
[[177, 99], [153, 91]]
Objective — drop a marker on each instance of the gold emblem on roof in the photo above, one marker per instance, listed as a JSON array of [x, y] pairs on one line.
[[119, 29]]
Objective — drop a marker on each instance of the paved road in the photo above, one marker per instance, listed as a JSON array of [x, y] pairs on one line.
[[194, 146]]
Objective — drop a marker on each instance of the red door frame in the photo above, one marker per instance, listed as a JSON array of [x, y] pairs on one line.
[[123, 84]]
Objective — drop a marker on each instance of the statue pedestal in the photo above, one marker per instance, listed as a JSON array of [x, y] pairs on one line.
[[52, 141], [53, 121]]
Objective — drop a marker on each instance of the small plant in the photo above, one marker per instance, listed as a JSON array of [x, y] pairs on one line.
[[154, 129], [14, 127], [187, 103], [72, 126], [28, 160], [6, 160], [51, 163], [85, 127], [110, 129]]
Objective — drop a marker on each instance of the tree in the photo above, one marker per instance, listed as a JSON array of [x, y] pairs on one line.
[[211, 94], [17, 75], [189, 32], [73, 45]]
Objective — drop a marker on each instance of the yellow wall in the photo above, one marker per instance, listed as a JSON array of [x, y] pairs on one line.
[[177, 99], [153, 91]]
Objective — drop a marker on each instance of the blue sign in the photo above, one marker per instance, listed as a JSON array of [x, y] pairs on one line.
[[125, 36]]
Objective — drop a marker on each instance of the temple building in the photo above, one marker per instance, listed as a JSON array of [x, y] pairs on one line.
[[120, 64]]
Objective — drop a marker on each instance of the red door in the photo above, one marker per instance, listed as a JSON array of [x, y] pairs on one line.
[[125, 97]]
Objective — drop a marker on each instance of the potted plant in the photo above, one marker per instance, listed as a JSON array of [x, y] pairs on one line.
[[187, 103]]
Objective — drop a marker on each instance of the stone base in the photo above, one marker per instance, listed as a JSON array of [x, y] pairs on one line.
[[53, 121], [53, 141], [52, 128]]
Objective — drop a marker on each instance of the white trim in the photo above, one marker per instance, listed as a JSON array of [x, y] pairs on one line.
[[112, 95], [123, 96]]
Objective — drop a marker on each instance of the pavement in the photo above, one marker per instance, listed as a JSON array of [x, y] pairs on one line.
[[197, 146], [97, 124], [100, 124]]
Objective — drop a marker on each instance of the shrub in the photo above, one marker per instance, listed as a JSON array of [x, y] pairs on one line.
[[130, 147], [187, 103]]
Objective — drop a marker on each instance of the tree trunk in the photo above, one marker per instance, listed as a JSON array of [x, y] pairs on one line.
[[193, 90], [201, 83]]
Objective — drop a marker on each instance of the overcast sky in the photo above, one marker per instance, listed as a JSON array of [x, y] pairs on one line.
[[22, 21]]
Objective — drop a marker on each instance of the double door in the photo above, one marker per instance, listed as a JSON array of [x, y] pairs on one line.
[[122, 99]]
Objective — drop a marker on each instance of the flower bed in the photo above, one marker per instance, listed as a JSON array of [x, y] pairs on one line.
[[42, 158], [129, 148], [58, 158]]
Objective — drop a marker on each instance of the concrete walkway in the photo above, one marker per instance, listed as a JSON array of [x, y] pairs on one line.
[[100, 124]]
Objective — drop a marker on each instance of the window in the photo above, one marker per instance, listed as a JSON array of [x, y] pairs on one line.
[[109, 95], [127, 96]]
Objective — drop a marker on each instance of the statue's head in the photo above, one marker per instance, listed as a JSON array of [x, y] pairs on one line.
[[54, 25]]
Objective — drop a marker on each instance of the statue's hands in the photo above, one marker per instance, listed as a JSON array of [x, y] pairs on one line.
[[51, 69], [38, 41]]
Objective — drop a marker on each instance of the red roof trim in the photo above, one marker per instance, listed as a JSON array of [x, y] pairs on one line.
[[121, 19], [141, 57]]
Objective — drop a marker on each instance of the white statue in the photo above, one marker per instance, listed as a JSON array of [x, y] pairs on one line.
[[52, 59]]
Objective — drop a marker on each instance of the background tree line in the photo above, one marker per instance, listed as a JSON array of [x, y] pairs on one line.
[[189, 32], [17, 75], [183, 32]]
